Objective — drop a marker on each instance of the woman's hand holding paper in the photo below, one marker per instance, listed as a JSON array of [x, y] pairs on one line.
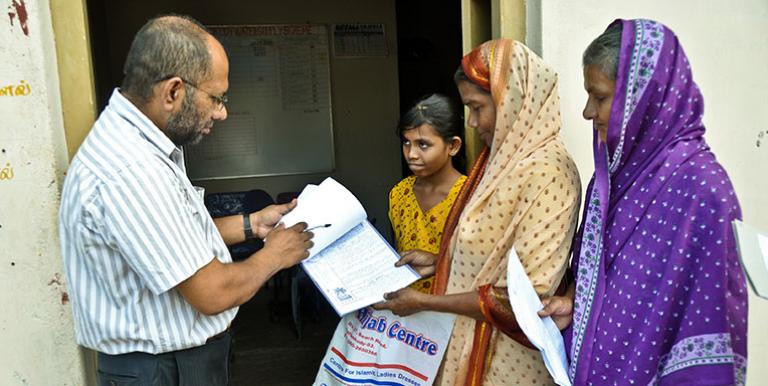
[[403, 302], [560, 308], [421, 261]]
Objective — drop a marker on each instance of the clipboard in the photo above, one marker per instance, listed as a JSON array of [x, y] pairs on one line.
[[752, 246]]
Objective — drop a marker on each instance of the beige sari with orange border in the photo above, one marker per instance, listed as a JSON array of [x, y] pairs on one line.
[[524, 193]]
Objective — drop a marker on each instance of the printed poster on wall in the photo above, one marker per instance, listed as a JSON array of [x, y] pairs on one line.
[[380, 348], [359, 40], [279, 119]]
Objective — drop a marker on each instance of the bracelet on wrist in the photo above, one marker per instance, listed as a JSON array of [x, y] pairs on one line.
[[247, 231]]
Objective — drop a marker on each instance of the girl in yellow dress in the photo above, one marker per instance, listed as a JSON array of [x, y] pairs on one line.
[[419, 204]]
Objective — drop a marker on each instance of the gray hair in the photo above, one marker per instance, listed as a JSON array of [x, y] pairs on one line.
[[604, 51], [166, 46]]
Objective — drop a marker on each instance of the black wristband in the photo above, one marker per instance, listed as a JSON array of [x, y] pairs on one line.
[[247, 231]]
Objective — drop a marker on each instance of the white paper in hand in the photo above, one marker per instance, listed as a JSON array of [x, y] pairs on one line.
[[350, 263], [763, 241], [752, 245], [542, 332], [327, 203]]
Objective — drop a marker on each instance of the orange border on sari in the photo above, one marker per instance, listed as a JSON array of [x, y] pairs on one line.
[[477, 361], [483, 330], [443, 259], [475, 69]]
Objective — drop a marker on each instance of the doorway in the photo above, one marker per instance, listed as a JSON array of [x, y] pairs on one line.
[[267, 350], [429, 52]]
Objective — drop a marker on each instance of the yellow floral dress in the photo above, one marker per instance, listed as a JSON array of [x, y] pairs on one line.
[[415, 229]]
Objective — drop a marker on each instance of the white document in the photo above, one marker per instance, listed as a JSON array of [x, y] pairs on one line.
[[763, 240], [542, 332], [373, 347], [351, 264], [752, 245]]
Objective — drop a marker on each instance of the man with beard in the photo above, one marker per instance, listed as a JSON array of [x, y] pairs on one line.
[[152, 285]]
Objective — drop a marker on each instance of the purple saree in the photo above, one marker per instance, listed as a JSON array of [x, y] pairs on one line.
[[660, 296]]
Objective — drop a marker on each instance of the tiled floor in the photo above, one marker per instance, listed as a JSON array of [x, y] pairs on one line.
[[267, 350]]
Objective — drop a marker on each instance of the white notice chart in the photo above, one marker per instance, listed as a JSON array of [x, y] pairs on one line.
[[301, 66], [279, 109], [358, 40], [238, 141]]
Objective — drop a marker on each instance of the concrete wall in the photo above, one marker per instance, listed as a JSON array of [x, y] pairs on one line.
[[364, 91], [37, 344], [727, 44]]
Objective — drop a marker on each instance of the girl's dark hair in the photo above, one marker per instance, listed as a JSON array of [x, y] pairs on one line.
[[440, 112], [436, 110]]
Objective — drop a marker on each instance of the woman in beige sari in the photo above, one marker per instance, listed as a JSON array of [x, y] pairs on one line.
[[522, 192]]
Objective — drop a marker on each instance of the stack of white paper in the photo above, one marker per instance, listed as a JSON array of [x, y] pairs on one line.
[[351, 264], [327, 203]]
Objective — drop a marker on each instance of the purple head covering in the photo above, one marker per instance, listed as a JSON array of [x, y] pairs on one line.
[[660, 296]]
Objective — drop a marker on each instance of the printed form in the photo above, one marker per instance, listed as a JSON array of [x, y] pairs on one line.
[[351, 264]]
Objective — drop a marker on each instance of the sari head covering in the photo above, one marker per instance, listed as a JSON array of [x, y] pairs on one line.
[[660, 296], [523, 192]]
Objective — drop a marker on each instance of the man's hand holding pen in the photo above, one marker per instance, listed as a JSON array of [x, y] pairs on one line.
[[291, 245], [318, 226]]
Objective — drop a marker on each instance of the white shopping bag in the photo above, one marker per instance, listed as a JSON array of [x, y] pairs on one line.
[[378, 347]]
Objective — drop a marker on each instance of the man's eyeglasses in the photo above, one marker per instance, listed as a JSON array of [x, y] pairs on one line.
[[220, 101]]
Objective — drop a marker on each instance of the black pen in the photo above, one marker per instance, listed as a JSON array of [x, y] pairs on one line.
[[317, 226]]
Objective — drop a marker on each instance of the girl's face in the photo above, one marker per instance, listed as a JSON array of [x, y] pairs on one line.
[[600, 90], [426, 151], [482, 112]]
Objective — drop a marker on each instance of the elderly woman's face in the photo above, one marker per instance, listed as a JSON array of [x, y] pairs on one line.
[[482, 112], [600, 90]]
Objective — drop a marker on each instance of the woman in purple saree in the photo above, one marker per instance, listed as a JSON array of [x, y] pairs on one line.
[[660, 296]]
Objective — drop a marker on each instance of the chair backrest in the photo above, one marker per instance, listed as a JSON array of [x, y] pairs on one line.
[[227, 204], [286, 197]]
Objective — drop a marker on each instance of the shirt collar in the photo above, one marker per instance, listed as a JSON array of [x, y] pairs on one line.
[[146, 127]]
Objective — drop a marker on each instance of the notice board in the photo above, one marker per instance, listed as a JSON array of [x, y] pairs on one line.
[[279, 111]]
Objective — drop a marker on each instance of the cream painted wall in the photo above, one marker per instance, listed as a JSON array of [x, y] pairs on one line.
[[727, 44], [364, 91], [38, 344]]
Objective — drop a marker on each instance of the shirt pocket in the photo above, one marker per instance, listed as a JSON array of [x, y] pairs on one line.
[[198, 214], [189, 195]]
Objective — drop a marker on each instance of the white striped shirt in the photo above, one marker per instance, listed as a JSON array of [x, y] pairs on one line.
[[132, 228]]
